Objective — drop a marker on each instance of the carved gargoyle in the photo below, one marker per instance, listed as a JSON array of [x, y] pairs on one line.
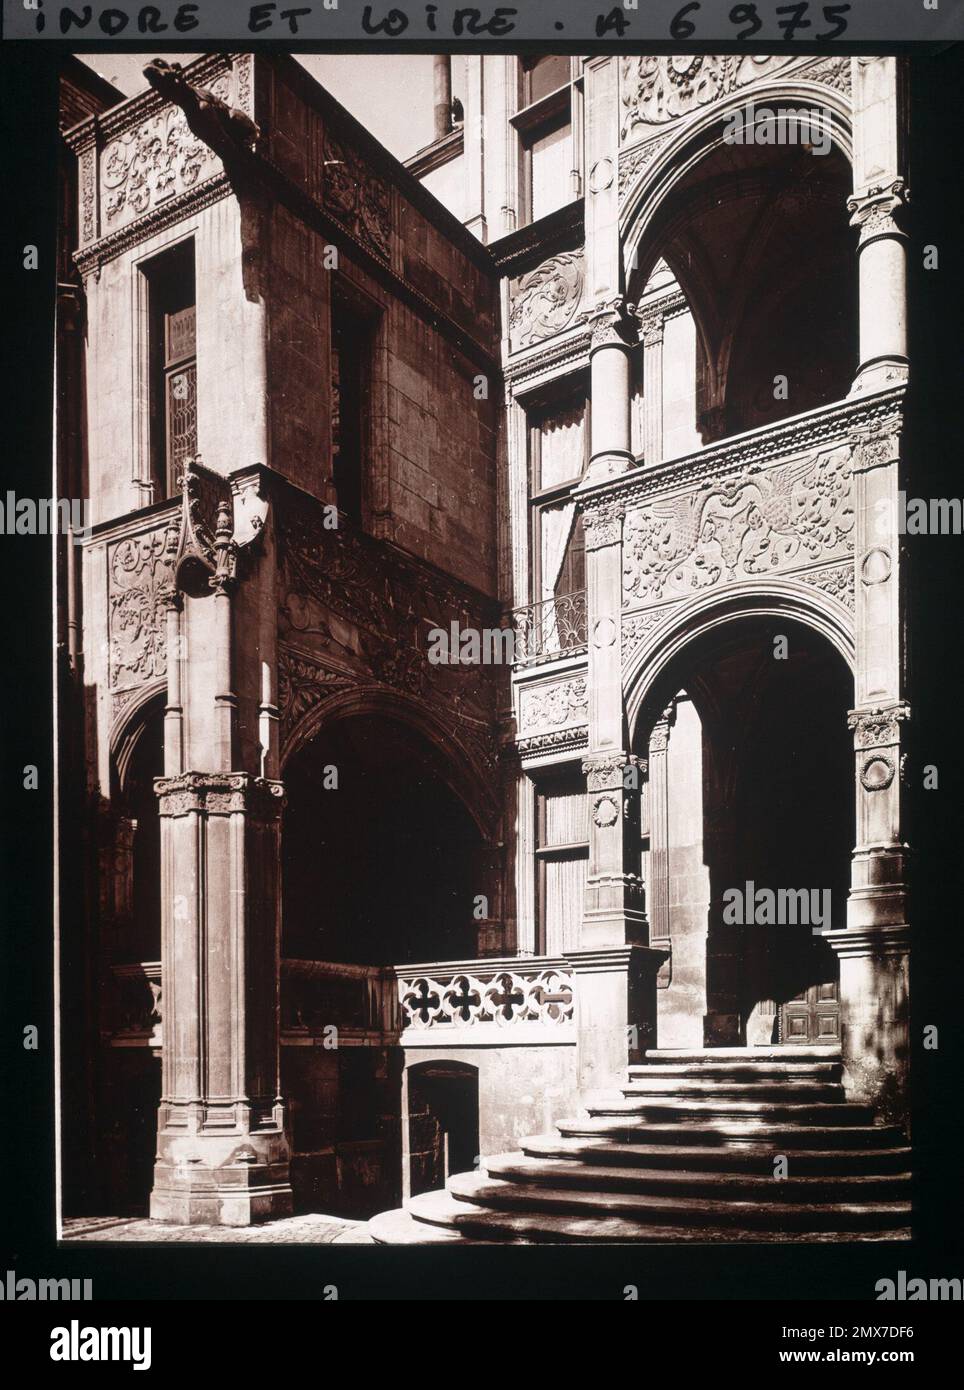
[[224, 128]]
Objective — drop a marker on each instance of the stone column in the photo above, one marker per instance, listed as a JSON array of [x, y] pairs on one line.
[[222, 1154], [613, 334], [874, 948], [880, 196], [651, 332], [614, 967]]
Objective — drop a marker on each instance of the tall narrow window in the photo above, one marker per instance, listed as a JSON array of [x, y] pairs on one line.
[[173, 314], [350, 394], [562, 854], [545, 136]]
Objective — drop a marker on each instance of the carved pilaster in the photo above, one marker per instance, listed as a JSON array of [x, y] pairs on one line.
[[222, 1154]]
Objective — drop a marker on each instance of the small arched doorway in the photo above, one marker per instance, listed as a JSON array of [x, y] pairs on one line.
[[748, 833]]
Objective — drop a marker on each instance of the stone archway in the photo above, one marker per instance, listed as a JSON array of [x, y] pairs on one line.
[[749, 832], [757, 238], [383, 864]]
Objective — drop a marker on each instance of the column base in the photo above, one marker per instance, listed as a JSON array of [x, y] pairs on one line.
[[611, 464], [882, 374], [218, 1179], [875, 1016]]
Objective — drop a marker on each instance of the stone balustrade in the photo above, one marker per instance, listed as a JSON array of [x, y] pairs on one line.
[[500, 994]]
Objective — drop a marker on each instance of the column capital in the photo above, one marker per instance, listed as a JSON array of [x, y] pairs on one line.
[[603, 523], [878, 727], [606, 771], [878, 211], [651, 323], [612, 323], [219, 792]]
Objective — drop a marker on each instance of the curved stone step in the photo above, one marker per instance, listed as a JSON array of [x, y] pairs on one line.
[[401, 1227], [677, 1111], [789, 1092], [715, 1186], [744, 1157], [552, 1228], [654, 1210], [721, 1132], [738, 1071], [773, 1052]]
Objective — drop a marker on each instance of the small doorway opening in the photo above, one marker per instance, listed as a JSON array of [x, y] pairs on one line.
[[443, 1118]]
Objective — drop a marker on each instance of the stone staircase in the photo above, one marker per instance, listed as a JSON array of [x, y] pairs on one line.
[[687, 1153]]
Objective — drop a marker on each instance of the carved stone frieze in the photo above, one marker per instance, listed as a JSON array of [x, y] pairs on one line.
[[740, 528], [546, 300], [149, 165], [356, 197], [551, 706], [573, 739], [140, 591], [655, 90]]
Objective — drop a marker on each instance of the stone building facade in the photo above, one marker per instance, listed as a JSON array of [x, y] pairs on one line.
[[352, 922]]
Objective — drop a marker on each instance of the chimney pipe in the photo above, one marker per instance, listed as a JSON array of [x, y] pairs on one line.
[[442, 72]]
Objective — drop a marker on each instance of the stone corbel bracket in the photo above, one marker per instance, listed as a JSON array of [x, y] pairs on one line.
[[222, 522]]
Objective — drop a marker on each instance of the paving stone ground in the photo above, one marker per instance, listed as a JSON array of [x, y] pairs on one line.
[[312, 1229]]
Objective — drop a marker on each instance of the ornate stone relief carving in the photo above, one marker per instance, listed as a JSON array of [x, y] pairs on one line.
[[603, 525], [634, 161], [147, 166], [637, 627], [740, 528], [836, 580], [303, 684], [356, 197], [832, 72], [140, 591], [654, 90], [354, 609], [550, 706], [546, 300]]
